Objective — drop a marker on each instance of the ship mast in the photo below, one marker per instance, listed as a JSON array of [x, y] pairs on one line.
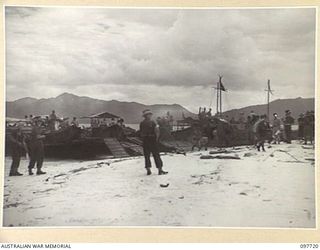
[[219, 89], [269, 91]]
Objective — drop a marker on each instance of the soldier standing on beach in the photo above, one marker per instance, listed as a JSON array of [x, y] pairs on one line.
[[287, 122], [52, 120], [262, 127], [36, 148], [301, 120], [150, 133], [18, 148], [276, 129], [308, 127]]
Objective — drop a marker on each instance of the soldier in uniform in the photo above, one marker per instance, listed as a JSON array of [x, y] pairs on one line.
[[18, 147], [287, 122], [262, 128], [276, 129], [308, 127], [52, 120], [149, 132], [301, 120], [36, 148]]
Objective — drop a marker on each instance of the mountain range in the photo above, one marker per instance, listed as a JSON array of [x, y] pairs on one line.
[[69, 105], [296, 106]]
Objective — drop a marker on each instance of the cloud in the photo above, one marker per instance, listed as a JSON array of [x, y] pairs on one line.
[[173, 52]]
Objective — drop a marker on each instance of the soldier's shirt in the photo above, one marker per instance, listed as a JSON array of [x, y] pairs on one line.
[[288, 120], [147, 128], [36, 131]]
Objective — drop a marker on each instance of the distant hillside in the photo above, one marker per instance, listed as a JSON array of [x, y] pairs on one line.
[[69, 105], [297, 106]]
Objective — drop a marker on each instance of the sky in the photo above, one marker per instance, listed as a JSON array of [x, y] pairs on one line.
[[156, 56]]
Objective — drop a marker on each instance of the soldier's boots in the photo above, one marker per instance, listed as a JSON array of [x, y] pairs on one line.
[[15, 174], [30, 171], [162, 172], [39, 172]]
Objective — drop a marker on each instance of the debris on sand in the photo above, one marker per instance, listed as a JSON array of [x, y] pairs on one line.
[[103, 163], [249, 154], [213, 152], [205, 157], [164, 185], [309, 159], [243, 193], [227, 157]]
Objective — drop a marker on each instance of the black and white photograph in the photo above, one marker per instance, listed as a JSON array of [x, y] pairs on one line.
[[159, 117]]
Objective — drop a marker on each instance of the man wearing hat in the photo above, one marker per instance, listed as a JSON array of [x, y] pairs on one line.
[[287, 122], [18, 148], [276, 129], [149, 132], [36, 148]]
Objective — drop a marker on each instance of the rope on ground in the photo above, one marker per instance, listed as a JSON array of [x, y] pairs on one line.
[[283, 151]]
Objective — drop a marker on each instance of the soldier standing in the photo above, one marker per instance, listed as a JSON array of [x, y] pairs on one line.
[[308, 127], [36, 148], [262, 127], [276, 129], [150, 136], [288, 121], [18, 147], [301, 120]]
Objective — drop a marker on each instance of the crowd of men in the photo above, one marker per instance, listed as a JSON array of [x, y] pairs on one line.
[[260, 129], [52, 122], [31, 144]]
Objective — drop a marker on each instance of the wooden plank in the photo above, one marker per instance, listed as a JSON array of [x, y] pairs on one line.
[[137, 149], [115, 147]]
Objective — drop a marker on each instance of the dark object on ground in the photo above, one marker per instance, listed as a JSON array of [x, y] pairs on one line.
[[148, 171], [249, 154], [227, 157], [309, 159], [162, 172], [243, 193], [164, 185], [221, 152]]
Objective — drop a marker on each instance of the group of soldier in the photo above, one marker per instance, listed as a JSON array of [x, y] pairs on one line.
[[306, 127], [50, 121], [32, 145], [259, 128]]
